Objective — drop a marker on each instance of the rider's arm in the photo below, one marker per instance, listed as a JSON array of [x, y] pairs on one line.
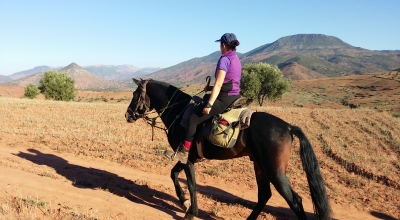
[[219, 80]]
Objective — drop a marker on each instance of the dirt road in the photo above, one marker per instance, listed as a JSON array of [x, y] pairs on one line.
[[55, 185]]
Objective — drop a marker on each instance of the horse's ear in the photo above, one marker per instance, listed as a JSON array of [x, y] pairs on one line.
[[137, 82]]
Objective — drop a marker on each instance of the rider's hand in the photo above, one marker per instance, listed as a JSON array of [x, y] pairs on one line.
[[206, 110]]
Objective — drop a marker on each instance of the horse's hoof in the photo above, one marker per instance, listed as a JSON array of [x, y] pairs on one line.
[[188, 216], [186, 205]]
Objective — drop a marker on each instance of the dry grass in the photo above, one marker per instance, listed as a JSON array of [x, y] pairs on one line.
[[21, 206], [358, 149]]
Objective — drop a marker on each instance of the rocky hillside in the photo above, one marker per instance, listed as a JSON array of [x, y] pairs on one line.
[[296, 71]]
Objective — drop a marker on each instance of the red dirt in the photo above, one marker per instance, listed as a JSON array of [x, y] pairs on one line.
[[150, 195]]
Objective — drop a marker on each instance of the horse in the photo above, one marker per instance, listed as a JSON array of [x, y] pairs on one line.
[[267, 142]]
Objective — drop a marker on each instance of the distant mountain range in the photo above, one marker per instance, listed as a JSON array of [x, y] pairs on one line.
[[302, 56], [120, 72], [83, 79], [110, 72]]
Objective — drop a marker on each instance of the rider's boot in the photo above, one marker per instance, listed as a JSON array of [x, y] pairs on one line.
[[182, 154]]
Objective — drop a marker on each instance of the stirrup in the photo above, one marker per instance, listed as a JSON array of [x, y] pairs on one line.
[[170, 154]]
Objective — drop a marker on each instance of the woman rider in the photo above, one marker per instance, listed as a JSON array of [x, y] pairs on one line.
[[224, 92]]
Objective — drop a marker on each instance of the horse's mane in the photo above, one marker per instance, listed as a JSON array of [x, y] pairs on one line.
[[160, 83], [166, 85]]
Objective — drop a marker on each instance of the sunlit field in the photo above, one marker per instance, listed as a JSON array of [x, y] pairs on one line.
[[358, 150]]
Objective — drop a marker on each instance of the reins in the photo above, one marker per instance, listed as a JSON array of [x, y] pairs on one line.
[[153, 120]]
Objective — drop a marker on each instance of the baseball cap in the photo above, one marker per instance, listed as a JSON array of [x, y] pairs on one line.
[[227, 38]]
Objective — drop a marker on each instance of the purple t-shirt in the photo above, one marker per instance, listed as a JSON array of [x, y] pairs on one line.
[[230, 63]]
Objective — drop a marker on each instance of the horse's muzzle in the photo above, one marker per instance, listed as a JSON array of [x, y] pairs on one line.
[[130, 118]]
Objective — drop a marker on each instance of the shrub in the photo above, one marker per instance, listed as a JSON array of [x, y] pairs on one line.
[[262, 81], [57, 86], [31, 91]]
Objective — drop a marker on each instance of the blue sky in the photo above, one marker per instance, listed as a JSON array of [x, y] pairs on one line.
[[164, 33]]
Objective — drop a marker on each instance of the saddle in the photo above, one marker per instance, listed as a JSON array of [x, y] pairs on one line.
[[238, 103]]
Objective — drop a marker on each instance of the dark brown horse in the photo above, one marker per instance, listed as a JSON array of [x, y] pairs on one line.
[[267, 142]]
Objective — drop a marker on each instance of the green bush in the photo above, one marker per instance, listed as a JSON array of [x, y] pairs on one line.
[[57, 86], [261, 81], [31, 91]]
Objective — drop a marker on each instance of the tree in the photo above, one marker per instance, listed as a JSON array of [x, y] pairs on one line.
[[262, 81], [31, 91], [57, 86]]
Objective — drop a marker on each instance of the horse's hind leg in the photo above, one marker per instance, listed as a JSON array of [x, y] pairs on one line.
[[178, 189], [282, 185], [264, 192]]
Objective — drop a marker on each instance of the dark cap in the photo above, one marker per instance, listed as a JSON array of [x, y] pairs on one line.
[[227, 38]]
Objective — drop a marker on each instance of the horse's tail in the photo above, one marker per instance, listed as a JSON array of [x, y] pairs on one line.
[[316, 184]]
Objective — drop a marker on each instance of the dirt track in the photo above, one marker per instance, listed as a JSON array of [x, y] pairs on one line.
[[105, 190]]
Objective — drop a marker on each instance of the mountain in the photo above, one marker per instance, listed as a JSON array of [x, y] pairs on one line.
[[302, 56], [143, 72], [193, 71], [86, 80], [119, 72], [4, 79], [110, 72], [25, 73], [301, 42], [324, 54], [83, 79]]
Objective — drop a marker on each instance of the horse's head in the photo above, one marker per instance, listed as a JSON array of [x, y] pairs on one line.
[[140, 103]]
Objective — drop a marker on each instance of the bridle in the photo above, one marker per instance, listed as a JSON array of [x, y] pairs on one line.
[[143, 103]]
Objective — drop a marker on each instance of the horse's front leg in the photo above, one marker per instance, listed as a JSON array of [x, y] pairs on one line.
[[178, 189], [191, 180]]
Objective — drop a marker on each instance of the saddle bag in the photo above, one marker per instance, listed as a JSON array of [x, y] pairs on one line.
[[224, 129]]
